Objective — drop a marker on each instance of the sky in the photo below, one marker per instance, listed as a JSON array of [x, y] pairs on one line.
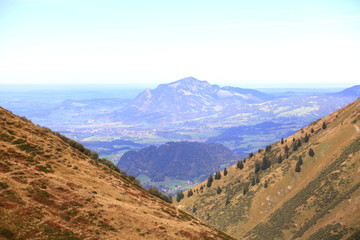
[[307, 43]]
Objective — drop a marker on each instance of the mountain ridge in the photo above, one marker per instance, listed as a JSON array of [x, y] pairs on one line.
[[52, 189], [198, 103], [190, 97], [309, 190]]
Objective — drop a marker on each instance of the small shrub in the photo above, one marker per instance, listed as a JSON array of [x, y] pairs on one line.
[[155, 192], [3, 185], [6, 233], [19, 141]]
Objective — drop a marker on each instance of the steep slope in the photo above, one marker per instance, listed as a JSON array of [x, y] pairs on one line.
[[51, 190], [177, 160], [307, 190]]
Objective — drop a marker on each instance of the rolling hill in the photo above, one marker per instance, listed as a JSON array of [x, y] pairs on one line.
[[51, 189], [177, 160], [306, 186]]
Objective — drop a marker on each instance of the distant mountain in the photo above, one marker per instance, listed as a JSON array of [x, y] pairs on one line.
[[194, 103], [304, 187], [350, 92], [254, 96], [49, 189], [250, 138], [187, 98], [177, 160]]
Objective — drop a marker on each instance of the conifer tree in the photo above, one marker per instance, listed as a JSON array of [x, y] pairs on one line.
[[311, 152], [251, 155], [324, 125], [225, 172], [282, 140], [209, 182], [268, 148], [218, 190], [300, 161], [286, 148], [246, 189], [217, 175], [265, 164], [295, 147], [179, 196], [257, 179], [265, 184], [312, 130], [297, 167], [257, 167], [190, 193], [253, 182], [240, 165], [306, 139], [279, 159]]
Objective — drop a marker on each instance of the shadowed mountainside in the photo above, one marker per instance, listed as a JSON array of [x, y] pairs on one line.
[[177, 160]]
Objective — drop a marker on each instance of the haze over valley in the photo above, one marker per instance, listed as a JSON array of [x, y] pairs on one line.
[[114, 120], [179, 120]]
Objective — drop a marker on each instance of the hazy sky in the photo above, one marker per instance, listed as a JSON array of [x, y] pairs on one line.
[[241, 42]]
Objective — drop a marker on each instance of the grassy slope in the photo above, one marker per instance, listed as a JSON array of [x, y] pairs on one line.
[[49, 190], [321, 201]]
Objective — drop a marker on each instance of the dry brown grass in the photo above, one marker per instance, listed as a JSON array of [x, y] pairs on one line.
[[49, 190], [275, 212]]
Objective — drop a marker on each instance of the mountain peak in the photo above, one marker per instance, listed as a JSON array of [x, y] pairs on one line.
[[189, 83]]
